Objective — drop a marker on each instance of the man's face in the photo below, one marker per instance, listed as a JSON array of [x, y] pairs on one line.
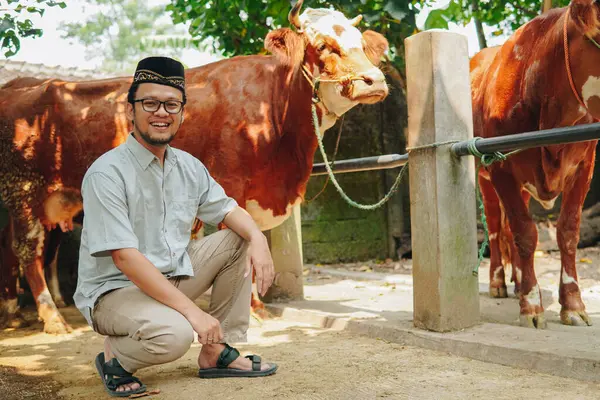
[[158, 127]]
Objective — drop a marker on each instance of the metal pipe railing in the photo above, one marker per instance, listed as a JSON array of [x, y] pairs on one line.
[[362, 164], [572, 134]]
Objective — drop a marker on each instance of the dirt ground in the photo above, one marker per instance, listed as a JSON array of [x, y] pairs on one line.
[[315, 363]]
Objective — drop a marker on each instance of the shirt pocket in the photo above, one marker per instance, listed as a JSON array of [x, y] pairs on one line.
[[184, 214]]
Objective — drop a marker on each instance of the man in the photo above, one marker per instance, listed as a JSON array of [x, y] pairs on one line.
[[138, 271]]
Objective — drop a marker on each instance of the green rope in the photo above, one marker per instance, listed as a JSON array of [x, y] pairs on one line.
[[593, 41], [337, 185], [487, 159]]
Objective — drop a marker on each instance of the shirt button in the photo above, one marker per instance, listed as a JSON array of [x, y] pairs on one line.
[[173, 254]]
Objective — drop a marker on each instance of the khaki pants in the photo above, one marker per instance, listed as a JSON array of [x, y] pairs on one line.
[[143, 332]]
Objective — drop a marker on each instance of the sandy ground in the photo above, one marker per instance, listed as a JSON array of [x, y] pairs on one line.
[[315, 363]]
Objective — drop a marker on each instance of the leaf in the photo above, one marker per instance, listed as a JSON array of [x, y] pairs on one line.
[[394, 10], [436, 20], [585, 260]]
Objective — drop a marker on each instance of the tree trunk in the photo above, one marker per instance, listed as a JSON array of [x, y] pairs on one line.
[[479, 26], [546, 6]]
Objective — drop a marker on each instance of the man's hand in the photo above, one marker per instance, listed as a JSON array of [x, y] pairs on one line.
[[259, 257], [208, 328]]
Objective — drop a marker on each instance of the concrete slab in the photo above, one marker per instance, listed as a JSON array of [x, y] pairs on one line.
[[380, 306]]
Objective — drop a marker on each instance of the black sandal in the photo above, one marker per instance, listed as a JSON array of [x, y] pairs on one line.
[[227, 356], [113, 376]]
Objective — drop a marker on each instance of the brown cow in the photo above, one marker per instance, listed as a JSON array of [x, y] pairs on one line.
[[247, 118], [527, 86]]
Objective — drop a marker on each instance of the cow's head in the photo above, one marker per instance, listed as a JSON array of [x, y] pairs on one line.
[[331, 48], [584, 54]]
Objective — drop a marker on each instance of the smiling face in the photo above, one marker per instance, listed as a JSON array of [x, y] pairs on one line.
[[155, 128]]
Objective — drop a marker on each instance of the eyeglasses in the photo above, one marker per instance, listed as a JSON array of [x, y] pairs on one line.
[[152, 105]]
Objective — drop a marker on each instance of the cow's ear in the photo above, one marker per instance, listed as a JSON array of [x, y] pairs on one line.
[[288, 46], [376, 46], [586, 16]]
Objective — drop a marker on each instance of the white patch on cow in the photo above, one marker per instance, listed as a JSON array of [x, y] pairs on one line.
[[547, 204], [517, 50], [321, 22], [497, 273], [533, 297], [566, 279], [531, 75], [327, 120], [518, 274], [84, 112], [591, 88], [45, 298], [265, 218], [493, 236]]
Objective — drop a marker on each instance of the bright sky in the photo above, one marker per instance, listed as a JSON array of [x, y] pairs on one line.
[[51, 49]]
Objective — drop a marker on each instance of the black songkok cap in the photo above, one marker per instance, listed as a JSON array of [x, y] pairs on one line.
[[161, 70]]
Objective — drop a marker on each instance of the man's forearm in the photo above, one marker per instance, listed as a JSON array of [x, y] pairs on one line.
[[151, 281], [239, 221]]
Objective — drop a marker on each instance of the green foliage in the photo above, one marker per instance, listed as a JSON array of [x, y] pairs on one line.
[[15, 22], [123, 31], [240, 26], [508, 16]]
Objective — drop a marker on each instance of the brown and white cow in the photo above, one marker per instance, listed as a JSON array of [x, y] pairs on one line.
[[247, 118], [525, 86]]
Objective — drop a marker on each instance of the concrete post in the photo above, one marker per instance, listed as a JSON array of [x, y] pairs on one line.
[[442, 187], [286, 249]]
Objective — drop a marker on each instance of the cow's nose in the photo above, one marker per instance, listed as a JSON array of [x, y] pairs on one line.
[[372, 76]]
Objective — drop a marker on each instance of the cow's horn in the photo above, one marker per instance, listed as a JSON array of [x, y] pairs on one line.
[[294, 15], [356, 20]]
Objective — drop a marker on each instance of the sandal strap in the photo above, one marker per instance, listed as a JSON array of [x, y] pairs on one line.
[[114, 383], [113, 367], [227, 356], [256, 361]]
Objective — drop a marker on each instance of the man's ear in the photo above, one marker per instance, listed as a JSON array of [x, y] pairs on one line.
[[129, 112]]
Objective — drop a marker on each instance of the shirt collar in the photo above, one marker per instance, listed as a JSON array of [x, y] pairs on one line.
[[145, 156]]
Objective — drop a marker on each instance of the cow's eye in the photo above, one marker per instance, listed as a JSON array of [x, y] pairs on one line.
[[322, 47]]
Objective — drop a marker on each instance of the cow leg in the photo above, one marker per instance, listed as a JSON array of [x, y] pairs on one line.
[[29, 248], [525, 237], [510, 252], [9, 273], [567, 232], [53, 284], [493, 216]]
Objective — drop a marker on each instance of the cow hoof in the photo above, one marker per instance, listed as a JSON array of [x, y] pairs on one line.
[[57, 326], [537, 321], [498, 292], [17, 322], [575, 318]]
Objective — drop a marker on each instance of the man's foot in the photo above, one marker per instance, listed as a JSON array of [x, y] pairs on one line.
[[108, 355], [220, 361]]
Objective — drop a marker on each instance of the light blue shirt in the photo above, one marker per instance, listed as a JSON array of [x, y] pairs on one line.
[[130, 201]]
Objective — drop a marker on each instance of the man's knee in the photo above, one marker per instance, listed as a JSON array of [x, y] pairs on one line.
[[173, 339]]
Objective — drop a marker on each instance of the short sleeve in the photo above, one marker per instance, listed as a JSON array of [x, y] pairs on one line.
[[214, 203], [106, 218]]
